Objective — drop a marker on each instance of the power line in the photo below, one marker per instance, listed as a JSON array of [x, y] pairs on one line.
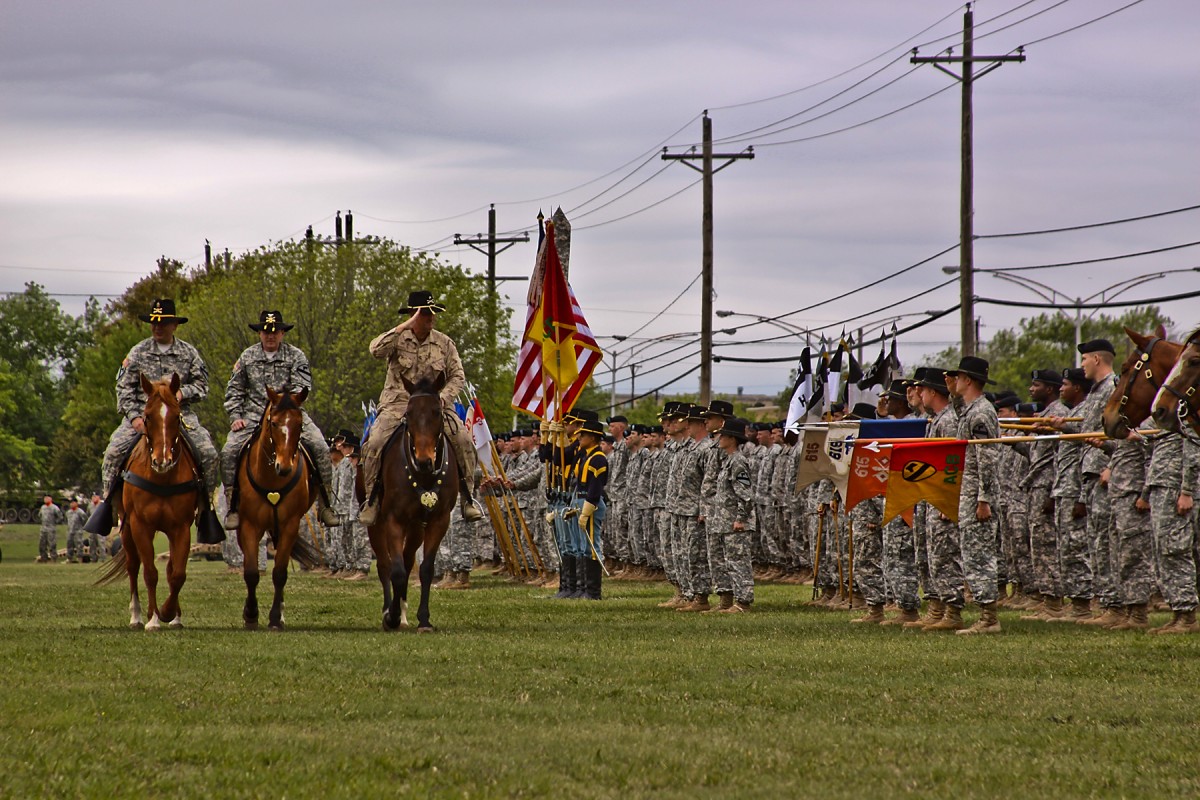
[[1092, 260], [1083, 24], [1109, 304], [667, 306], [1088, 226]]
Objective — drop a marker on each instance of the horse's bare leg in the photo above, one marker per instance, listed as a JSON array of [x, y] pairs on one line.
[[249, 543], [428, 556], [397, 574], [145, 547], [180, 542], [383, 562], [410, 559], [132, 565], [279, 574]]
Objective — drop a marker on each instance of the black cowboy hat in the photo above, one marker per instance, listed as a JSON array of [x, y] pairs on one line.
[[583, 415], [932, 378], [350, 439], [674, 409], [269, 322], [162, 311], [421, 300], [344, 435], [719, 408], [735, 427], [1051, 377], [593, 427], [862, 411], [696, 413], [897, 391], [973, 367]]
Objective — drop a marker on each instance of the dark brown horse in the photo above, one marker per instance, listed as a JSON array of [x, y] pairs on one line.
[[274, 492], [159, 494], [1177, 404], [419, 477], [1142, 375]]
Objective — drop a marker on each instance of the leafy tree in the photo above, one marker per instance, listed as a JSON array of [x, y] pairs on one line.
[[1048, 340], [21, 458]]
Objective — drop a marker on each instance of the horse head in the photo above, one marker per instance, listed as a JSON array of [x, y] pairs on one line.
[[1176, 404], [161, 421], [1141, 378], [424, 420], [282, 422]]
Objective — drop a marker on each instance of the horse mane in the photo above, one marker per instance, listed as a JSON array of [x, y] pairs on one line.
[[1192, 337], [423, 386]]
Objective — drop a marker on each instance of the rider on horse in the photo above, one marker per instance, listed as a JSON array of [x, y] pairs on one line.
[[415, 351], [155, 358], [274, 363]]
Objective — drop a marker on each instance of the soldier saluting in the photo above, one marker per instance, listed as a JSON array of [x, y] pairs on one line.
[[276, 364]]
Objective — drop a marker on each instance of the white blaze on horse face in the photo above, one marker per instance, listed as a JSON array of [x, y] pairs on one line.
[[1172, 375]]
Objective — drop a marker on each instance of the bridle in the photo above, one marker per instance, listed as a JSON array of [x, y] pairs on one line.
[[1143, 360], [174, 450], [1184, 409], [426, 482]]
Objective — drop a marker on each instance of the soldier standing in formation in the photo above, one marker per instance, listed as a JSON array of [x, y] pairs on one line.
[[50, 516], [76, 517]]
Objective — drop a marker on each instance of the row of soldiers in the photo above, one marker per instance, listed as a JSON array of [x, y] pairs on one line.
[[1089, 531]]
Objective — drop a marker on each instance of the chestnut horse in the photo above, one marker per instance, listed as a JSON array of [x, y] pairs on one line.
[[1141, 377], [274, 493], [160, 488], [419, 479], [1176, 405]]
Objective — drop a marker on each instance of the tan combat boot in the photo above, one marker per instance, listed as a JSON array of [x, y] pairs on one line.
[[726, 602], [1181, 622], [698, 603], [828, 598], [858, 602], [933, 613], [905, 618], [675, 601], [1052, 608], [988, 622], [737, 608], [1110, 618], [1137, 620], [1078, 611], [874, 615], [951, 620]]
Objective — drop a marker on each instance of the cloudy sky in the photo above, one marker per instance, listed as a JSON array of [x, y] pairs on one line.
[[130, 130]]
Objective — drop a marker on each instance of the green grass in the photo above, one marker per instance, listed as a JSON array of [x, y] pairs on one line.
[[518, 695]]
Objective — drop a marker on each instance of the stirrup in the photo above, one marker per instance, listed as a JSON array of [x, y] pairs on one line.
[[470, 511], [329, 517], [368, 514]]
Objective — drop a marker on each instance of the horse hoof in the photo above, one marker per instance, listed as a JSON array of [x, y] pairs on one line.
[[176, 623], [153, 625], [250, 625], [137, 626], [275, 626], [425, 629]]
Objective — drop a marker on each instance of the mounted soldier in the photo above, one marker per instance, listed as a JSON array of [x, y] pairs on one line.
[[154, 358], [276, 364], [414, 351]]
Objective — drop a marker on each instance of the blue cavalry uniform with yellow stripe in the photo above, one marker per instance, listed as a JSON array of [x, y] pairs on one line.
[[590, 477]]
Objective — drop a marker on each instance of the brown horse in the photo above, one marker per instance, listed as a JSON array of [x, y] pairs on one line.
[[1177, 405], [274, 491], [1141, 378], [419, 476], [159, 494]]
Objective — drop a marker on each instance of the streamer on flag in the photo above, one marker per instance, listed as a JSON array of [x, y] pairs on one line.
[[930, 471], [558, 351], [801, 391]]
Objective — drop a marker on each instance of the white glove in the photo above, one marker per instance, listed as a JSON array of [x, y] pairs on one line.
[[550, 517]]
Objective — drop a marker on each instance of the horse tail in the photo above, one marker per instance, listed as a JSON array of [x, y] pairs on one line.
[[115, 570], [306, 553]]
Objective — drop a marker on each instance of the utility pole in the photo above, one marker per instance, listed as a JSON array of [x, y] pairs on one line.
[[966, 212], [487, 246], [337, 240], [705, 158]]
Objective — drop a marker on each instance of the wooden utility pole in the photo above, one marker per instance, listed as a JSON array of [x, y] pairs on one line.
[[337, 240], [966, 246], [487, 246], [706, 169]]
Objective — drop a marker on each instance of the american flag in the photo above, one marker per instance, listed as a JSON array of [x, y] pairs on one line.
[[534, 392]]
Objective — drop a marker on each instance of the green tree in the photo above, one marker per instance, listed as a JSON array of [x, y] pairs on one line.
[[21, 458], [1048, 341]]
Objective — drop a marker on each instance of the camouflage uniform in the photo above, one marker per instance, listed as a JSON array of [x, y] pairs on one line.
[[941, 535], [729, 550], [647, 530], [766, 551], [99, 544], [632, 504], [50, 516], [977, 538], [1173, 468], [340, 549], [829, 524], [147, 359], [1074, 565], [528, 477], [685, 506], [682, 506], [457, 548], [662, 519], [246, 400], [75, 519], [408, 358], [1098, 524], [1038, 485], [866, 517], [900, 561], [1131, 528], [617, 525]]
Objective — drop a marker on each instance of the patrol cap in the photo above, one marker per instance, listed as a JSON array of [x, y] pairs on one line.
[[270, 322], [1096, 346], [1076, 376], [735, 427], [654, 429], [862, 411], [1051, 377]]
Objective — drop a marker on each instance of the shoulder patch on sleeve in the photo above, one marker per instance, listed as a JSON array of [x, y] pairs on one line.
[[742, 476]]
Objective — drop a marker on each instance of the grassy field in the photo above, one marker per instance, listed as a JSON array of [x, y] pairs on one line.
[[520, 695]]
